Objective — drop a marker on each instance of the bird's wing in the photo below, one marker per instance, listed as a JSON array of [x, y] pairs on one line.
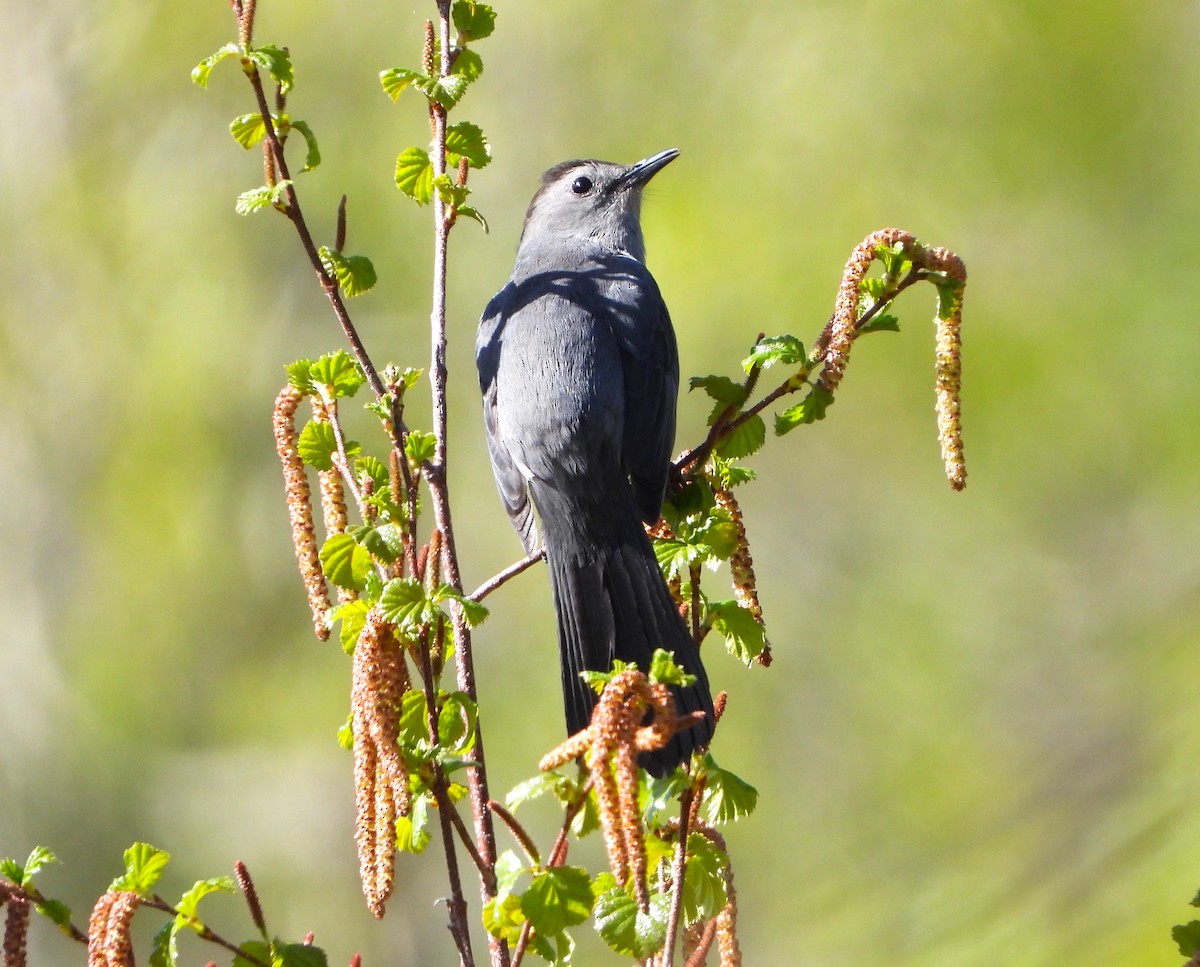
[[650, 366], [509, 480]]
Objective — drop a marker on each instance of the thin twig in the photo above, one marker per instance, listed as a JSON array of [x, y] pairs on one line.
[[519, 832], [685, 807], [506, 575]]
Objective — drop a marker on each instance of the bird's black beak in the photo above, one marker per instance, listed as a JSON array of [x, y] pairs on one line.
[[638, 174]]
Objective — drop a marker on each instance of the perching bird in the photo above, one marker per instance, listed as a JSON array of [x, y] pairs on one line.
[[580, 377]]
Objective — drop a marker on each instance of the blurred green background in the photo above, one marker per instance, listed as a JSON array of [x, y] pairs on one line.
[[978, 741]]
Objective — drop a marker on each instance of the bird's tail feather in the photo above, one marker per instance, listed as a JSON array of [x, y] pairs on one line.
[[612, 602]]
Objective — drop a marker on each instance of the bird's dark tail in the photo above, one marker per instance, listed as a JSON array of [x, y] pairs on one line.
[[612, 602]]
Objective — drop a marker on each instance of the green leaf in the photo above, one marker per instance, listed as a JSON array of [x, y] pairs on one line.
[[346, 562], [144, 864], [727, 798], [467, 63], [502, 917], [468, 212], [317, 445], [704, 883], [190, 900], [248, 129], [558, 898], [1195, 901], [385, 542], [297, 955], [248, 202], [312, 157], [449, 191], [745, 638], [414, 175], [374, 468], [473, 611], [39, 858], [467, 140], [57, 912], [745, 440], [473, 20], [261, 952], [949, 297], [405, 603], [884, 322], [808, 410], [530, 789], [627, 930], [339, 372], [164, 951], [786, 349], [456, 722], [720, 388], [419, 446], [353, 616], [663, 792], [411, 834], [276, 62], [396, 79], [445, 91], [355, 273], [299, 375], [201, 71], [663, 669], [1187, 937], [11, 870]]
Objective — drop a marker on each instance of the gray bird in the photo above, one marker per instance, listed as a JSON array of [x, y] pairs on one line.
[[580, 377]]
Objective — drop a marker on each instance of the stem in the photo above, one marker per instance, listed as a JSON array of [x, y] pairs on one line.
[[506, 575], [685, 808], [485, 835]]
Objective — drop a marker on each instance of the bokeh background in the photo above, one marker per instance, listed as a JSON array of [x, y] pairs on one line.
[[978, 742]]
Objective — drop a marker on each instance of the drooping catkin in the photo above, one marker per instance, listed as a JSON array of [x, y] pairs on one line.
[[380, 680], [741, 564], [16, 928], [299, 504], [333, 495], [949, 366], [109, 942]]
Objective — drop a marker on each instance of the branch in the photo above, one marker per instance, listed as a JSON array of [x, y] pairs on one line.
[[506, 575]]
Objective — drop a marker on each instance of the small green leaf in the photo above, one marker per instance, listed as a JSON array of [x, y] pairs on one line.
[[745, 638], [317, 445], [144, 864], [473, 20], [808, 410], [884, 322], [627, 930], [411, 834], [39, 858], [720, 388], [1195, 901], [502, 917], [405, 603], [385, 542], [374, 468], [745, 440], [664, 670], [248, 202], [248, 130], [12, 871], [414, 175], [449, 191], [727, 798], [468, 212], [396, 79], [164, 951], [297, 955], [473, 611], [456, 722], [299, 375], [786, 349], [190, 900], [339, 372], [57, 912], [467, 140], [1187, 937], [260, 951], [539, 785], [355, 273], [558, 898], [346, 562], [201, 71], [419, 446], [276, 62], [312, 157], [467, 63], [704, 883]]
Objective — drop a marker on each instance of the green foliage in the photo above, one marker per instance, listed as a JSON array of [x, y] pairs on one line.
[[472, 20], [727, 798], [144, 864], [256, 199], [165, 950], [808, 410], [414, 175], [745, 637], [558, 898], [769, 350], [626, 929], [345, 562], [467, 140], [22, 875], [355, 273], [704, 879], [1187, 938], [277, 953], [202, 70]]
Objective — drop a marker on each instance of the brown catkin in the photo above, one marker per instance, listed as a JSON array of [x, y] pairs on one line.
[[16, 930], [333, 495], [299, 503], [949, 368]]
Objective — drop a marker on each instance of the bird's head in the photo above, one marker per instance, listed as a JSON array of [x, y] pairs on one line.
[[596, 202]]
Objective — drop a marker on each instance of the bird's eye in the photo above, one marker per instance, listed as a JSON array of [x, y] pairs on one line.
[[581, 185]]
